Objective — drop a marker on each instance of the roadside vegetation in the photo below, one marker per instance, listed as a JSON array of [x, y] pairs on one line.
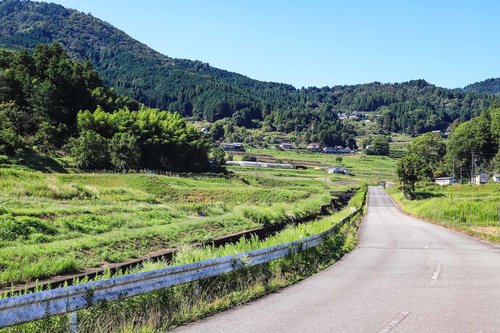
[[159, 311], [472, 209], [472, 147], [467, 206]]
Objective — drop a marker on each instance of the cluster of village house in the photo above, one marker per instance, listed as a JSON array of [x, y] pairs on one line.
[[330, 170], [479, 179], [355, 115], [314, 147]]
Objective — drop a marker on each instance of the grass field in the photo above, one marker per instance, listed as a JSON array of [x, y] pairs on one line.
[[473, 209], [59, 223], [399, 144], [364, 168]]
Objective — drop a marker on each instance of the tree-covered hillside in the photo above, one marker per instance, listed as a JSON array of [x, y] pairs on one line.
[[473, 147], [43, 98], [194, 88], [490, 86]]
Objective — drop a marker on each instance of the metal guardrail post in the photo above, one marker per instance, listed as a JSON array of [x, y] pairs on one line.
[[73, 322]]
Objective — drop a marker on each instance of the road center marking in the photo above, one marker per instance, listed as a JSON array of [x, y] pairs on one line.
[[395, 322], [437, 271]]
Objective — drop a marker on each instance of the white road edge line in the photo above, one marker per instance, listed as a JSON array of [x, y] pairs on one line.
[[395, 322], [437, 271], [393, 202]]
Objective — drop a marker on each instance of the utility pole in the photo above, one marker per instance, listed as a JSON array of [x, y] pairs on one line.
[[472, 168], [475, 160], [453, 167], [461, 172], [379, 177]]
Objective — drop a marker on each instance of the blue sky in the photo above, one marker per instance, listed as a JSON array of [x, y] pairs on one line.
[[450, 43]]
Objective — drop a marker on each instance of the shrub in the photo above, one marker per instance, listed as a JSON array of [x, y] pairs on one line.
[[219, 160], [87, 224], [10, 141], [249, 158], [125, 152], [21, 228], [91, 151]]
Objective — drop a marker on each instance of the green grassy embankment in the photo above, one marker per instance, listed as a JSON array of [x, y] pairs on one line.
[[55, 223], [159, 311], [472, 209]]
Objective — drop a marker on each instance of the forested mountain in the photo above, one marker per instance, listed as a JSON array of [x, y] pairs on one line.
[[43, 98], [131, 67], [490, 86], [194, 88]]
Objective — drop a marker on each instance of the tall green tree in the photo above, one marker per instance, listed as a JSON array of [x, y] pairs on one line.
[[379, 146], [10, 141], [163, 140], [431, 149], [409, 173], [219, 160], [471, 137], [43, 91]]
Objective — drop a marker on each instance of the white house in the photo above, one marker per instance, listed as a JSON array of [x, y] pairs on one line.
[[260, 164], [286, 146], [496, 178], [438, 132], [481, 178], [337, 169], [236, 146], [443, 181], [314, 147]]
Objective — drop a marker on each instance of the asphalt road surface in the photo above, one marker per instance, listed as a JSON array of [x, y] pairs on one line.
[[405, 276]]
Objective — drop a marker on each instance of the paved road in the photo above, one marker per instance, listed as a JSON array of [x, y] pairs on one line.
[[405, 275]]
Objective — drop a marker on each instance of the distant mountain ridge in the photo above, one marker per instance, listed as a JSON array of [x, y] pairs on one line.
[[131, 67], [489, 86], [194, 88]]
